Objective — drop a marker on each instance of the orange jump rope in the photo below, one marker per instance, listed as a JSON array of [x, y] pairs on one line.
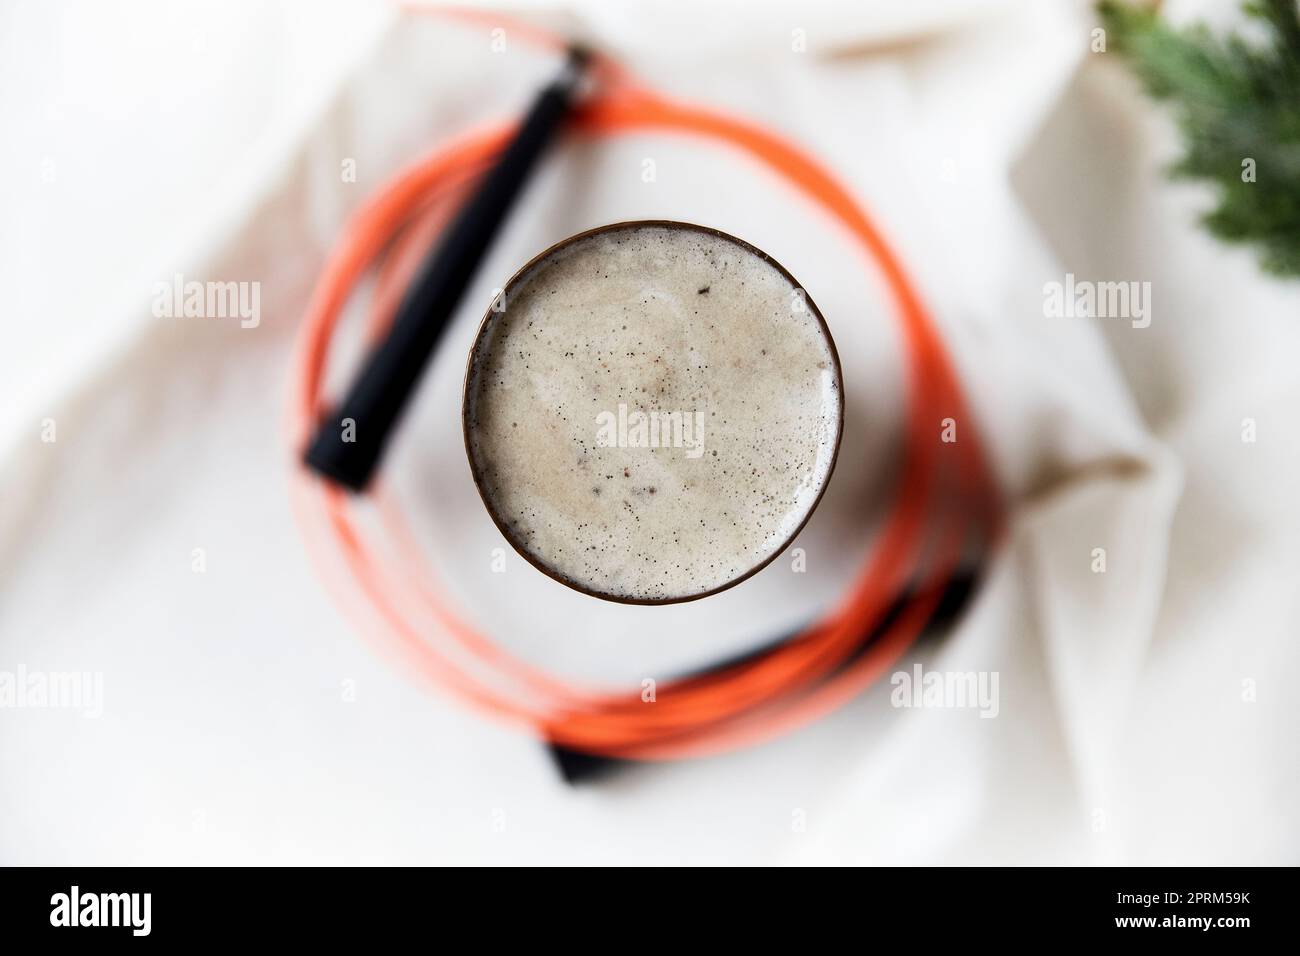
[[945, 498]]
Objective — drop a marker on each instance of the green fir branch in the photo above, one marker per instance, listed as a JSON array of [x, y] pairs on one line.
[[1233, 101]]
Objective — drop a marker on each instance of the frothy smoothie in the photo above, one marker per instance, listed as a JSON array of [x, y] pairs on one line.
[[652, 411]]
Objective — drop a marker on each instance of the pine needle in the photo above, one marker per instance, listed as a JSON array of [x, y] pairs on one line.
[[1237, 105]]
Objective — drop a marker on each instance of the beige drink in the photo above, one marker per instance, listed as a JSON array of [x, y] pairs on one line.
[[652, 411]]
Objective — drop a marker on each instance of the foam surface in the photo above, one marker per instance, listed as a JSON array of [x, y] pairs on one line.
[[713, 340]]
